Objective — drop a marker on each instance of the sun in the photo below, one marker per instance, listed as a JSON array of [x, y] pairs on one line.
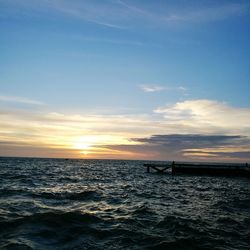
[[96, 144], [84, 143]]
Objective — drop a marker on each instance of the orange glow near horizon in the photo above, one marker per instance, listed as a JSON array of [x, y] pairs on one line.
[[91, 146], [41, 134]]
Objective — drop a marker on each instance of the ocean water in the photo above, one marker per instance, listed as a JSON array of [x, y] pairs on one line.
[[106, 204]]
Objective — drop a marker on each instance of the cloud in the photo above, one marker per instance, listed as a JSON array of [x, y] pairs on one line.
[[134, 8], [188, 130], [207, 13], [191, 147], [124, 11], [20, 129], [90, 11], [152, 87], [237, 154], [219, 132], [117, 14], [194, 140], [181, 88], [208, 115], [23, 149], [18, 99], [157, 88], [103, 13]]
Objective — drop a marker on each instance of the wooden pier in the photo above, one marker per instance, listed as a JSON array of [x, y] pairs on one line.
[[159, 168], [201, 168]]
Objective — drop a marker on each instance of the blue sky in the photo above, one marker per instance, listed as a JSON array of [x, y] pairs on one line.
[[121, 59]]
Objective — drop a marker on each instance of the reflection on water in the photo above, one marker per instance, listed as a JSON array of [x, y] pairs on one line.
[[97, 204]]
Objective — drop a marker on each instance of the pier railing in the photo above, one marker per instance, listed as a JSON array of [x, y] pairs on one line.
[[201, 168]]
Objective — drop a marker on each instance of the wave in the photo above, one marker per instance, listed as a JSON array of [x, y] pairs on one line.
[[7, 192], [84, 195], [53, 228], [113, 205], [52, 219], [15, 246], [77, 196]]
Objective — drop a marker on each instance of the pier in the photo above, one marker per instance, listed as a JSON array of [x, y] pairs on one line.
[[159, 168], [201, 168]]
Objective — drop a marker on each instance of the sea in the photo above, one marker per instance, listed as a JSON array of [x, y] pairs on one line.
[[115, 204]]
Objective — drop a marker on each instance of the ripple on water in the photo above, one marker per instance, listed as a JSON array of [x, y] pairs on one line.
[[95, 204]]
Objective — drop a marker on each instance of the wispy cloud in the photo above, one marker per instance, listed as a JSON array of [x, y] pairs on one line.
[[181, 88], [207, 13], [152, 87], [123, 15], [136, 9], [18, 99], [89, 12]]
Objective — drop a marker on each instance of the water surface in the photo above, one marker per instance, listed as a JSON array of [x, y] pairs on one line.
[[106, 204]]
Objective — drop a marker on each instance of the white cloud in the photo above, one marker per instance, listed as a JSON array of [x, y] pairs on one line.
[[181, 88], [209, 115], [152, 87], [157, 88], [18, 99]]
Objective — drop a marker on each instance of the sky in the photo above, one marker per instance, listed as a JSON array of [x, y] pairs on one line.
[[123, 79]]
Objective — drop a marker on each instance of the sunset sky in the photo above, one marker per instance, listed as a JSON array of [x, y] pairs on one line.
[[123, 79]]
